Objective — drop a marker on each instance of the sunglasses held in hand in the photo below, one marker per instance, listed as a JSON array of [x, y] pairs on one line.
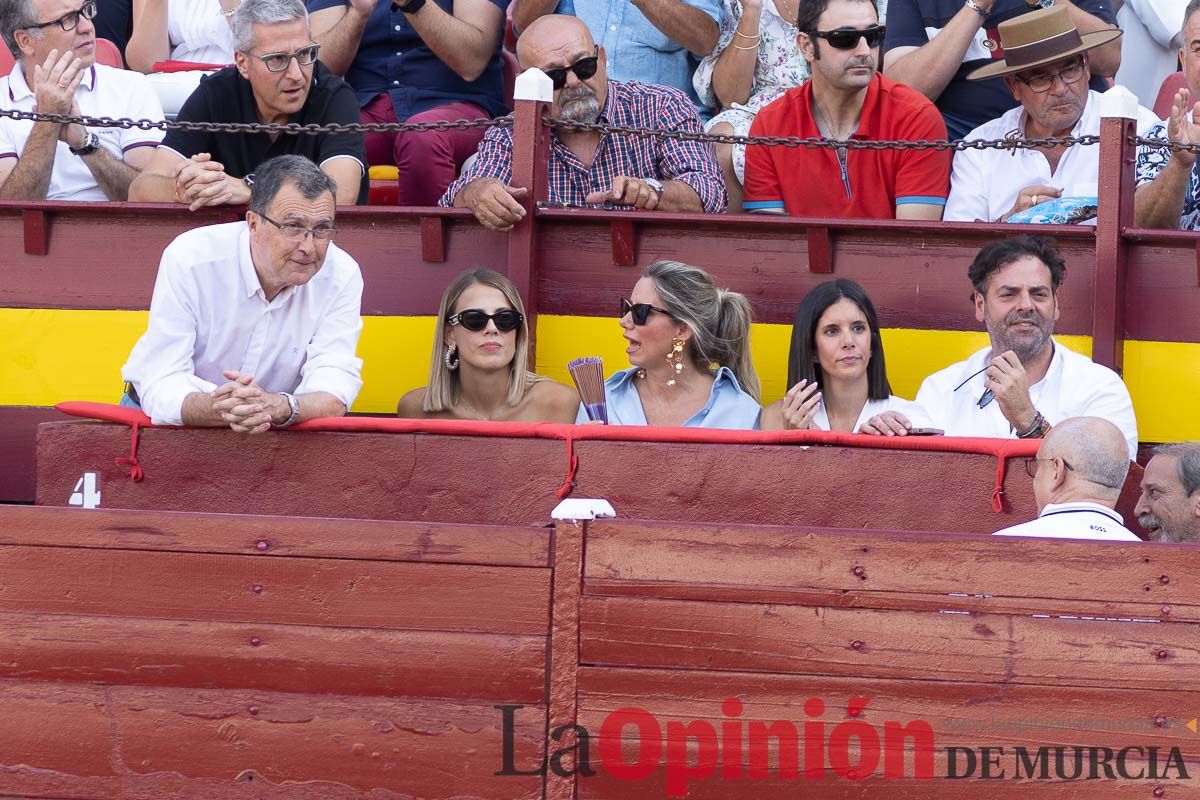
[[474, 319], [847, 38]]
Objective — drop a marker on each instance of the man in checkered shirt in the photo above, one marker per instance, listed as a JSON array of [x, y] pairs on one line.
[[588, 168]]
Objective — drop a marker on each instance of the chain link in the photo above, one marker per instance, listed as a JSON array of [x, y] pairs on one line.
[[1174, 147]]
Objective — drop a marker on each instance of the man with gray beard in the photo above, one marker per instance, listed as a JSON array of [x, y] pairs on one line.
[[589, 168], [1169, 508], [1025, 382]]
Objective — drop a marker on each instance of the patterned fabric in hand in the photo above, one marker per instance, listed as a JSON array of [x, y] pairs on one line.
[[1058, 211]]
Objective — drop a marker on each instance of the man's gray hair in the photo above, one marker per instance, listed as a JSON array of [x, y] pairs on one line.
[[16, 15], [1192, 8], [1188, 453], [261, 12], [273, 175]]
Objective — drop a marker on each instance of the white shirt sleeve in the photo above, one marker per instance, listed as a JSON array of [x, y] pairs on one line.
[[9, 148], [1108, 398], [143, 103], [932, 405], [330, 363], [968, 200], [1163, 18], [161, 366]]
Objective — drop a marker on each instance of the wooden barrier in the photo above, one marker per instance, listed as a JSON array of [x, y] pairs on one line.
[[154, 655]]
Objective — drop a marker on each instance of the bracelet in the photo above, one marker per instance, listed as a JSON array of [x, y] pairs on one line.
[[228, 14], [1035, 428], [755, 37], [752, 47], [978, 9]]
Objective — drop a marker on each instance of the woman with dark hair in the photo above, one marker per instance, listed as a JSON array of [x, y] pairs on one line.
[[480, 364], [837, 371], [689, 347]]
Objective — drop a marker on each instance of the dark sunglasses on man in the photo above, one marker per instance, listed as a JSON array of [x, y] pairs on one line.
[[584, 68], [474, 319], [847, 38], [640, 311]]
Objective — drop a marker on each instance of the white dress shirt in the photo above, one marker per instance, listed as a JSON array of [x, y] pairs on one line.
[[198, 32], [103, 92], [1149, 48], [984, 183], [209, 314], [1079, 520], [915, 414], [1074, 386]]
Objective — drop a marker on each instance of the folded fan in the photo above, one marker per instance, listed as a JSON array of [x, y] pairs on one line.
[[588, 374]]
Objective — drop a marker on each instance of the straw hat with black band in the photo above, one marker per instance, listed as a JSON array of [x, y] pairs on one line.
[[1038, 38]]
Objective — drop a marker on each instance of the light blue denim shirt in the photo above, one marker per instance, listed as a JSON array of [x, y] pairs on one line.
[[638, 51], [727, 407]]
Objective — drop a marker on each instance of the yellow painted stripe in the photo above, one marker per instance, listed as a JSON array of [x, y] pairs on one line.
[[50, 355]]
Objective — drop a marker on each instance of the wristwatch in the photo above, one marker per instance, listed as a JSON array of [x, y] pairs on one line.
[[294, 405], [654, 184], [411, 7], [91, 143]]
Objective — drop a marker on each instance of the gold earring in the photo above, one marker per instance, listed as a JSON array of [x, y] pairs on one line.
[[675, 359]]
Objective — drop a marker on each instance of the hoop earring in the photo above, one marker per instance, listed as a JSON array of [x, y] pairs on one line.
[[675, 359], [451, 357]]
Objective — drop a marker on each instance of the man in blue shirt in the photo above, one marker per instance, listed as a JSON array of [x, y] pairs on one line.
[[931, 45], [652, 41], [417, 61]]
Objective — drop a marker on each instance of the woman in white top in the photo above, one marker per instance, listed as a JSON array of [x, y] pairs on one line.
[[837, 370], [199, 31]]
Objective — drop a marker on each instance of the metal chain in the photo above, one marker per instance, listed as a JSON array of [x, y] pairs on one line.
[[1174, 147]]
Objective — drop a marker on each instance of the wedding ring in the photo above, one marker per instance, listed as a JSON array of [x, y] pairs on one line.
[[1035, 198]]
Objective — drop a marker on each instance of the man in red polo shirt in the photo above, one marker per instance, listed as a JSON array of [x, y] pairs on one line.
[[847, 98]]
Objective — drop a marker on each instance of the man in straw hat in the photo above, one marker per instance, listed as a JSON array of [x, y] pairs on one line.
[[1045, 66]]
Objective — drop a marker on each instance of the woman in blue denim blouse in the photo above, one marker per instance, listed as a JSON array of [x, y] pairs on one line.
[[689, 347]]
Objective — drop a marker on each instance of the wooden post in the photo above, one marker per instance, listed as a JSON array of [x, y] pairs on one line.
[[562, 663], [1116, 155], [530, 156]]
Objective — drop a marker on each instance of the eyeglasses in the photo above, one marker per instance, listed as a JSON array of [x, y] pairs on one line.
[[847, 38], [70, 20], [1031, 465], [1042, 83], [640, 311], [297, 233], [473, 319], [279, 62], [584, 68]]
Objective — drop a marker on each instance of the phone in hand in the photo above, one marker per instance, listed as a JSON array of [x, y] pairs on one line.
[[926, 432]]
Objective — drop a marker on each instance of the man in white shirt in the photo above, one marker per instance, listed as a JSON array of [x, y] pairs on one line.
[[1169, 508], [1025, 382], [54, 43], [254, 324], [1050, 82], [1077, 479]]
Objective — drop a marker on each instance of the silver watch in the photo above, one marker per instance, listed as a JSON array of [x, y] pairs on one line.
[[654, 184], [91, 143], [294, 405]]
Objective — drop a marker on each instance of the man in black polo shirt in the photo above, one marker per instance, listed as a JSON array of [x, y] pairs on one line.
[[276, 79]]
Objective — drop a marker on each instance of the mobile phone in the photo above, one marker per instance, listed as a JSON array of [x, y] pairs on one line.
[[926, 432]]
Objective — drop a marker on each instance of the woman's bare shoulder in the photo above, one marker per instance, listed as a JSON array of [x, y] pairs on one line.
[[411, 404], [553, 401]]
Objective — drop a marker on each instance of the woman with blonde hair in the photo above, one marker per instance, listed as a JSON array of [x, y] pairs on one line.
[[480, 364], [689, 347]]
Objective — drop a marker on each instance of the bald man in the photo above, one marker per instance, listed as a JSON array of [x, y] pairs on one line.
[[589, 168], [1169, 508], [1077, 479]]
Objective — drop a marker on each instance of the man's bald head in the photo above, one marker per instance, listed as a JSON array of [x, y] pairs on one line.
[[1098, 459], [554, 35]]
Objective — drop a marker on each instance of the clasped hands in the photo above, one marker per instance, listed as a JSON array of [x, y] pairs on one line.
[[496, 205], [246, 406], [200, 182]]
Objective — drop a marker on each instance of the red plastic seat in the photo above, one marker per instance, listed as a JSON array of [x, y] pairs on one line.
[[511, 70], [1166, 93], [109, 54], [7, 62]]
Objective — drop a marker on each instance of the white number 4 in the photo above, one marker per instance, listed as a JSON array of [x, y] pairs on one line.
[[86, 493]]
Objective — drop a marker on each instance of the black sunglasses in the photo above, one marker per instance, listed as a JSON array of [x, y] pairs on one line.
[[847, 38], [70, 20], [640, 311], [476, 320], [584, 68]]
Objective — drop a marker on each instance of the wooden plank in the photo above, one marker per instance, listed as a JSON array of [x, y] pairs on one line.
[[131, 742], [564, 654], [372, 540], [18, 426], [884, 569], [1115, 212], [298, 591], [287, 658], [886, 644]]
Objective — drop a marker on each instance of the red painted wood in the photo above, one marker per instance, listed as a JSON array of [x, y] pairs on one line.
[[1116, 183], [530, 155], [272, 657], [297, 591], [820, 250], [18, 431], [624, 242], [884, 569], [433, 239], [372, 540], [37, 232], [564, 652]]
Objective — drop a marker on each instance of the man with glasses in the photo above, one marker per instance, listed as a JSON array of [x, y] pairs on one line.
[[254, 324], [276, 79], [1077, 478], [54, 44], [846, 98], [1025, 381], [1045, 66], [589, 168]]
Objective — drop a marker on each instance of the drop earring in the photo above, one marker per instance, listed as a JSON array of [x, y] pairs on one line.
[[675, 359], [451, 357]]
